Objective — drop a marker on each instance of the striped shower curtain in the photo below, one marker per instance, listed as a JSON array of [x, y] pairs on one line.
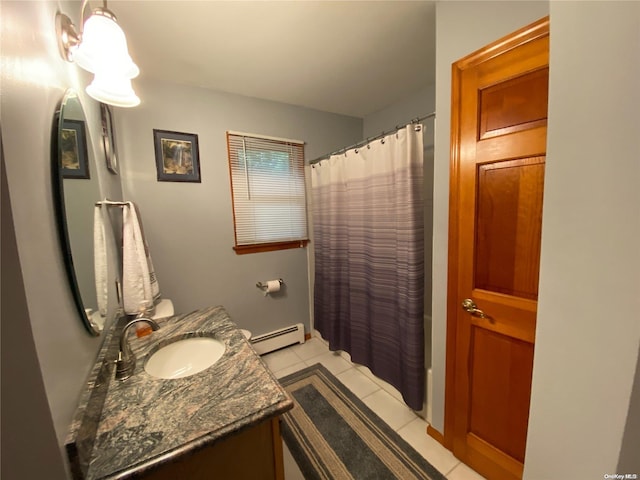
[[368, 229]]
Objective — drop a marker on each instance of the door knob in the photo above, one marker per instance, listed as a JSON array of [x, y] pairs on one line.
[[470, 306]]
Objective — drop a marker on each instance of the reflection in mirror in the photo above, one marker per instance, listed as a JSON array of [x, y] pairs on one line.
[[109, 139], [76, 189]]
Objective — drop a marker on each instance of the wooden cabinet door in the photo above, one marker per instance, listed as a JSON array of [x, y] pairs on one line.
[[499, 126], [251, 454]]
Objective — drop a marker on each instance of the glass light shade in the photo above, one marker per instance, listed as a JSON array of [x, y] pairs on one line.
[[110, 88], [104, 46]]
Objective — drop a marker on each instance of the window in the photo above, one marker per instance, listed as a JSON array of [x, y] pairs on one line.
[[268, 190]]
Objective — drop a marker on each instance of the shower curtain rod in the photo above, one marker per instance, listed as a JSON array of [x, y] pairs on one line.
[[362, 143]]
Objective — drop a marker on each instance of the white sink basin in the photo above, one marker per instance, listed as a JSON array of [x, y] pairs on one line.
[[185, 357]]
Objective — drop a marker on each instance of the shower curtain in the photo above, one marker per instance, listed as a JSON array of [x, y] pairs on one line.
[[368, 229]]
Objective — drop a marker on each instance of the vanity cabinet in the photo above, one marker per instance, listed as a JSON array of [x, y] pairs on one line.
[[221, 423], [252, 454]]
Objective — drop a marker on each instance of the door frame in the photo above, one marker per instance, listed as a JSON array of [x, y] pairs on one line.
[[526, 34]]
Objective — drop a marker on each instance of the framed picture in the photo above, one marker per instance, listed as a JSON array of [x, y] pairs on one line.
[[177, 157], [109, 139], [73, 149]]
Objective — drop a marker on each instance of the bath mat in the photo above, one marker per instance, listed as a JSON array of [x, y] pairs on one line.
[[333, 435]]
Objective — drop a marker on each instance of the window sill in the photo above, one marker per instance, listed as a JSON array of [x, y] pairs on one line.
[[269, 247]]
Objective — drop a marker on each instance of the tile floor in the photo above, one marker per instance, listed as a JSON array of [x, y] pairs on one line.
[[378, 395]]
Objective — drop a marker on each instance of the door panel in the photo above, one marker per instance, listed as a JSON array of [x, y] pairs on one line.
[[499, 119], [504, 109], [509, 219], [497, 392]]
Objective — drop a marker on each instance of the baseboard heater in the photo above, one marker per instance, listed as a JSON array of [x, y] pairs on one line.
[[268, 342]]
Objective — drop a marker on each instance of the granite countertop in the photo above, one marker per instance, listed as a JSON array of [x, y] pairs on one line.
[[123, 428]]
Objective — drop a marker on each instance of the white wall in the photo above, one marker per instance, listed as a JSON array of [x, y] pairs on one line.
[[417, 104], [189, 226], [461, 28], [24, 401], [34, 79], [588, 329]]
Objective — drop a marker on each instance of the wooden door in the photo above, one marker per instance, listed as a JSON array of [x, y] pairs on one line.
[[499, 126]]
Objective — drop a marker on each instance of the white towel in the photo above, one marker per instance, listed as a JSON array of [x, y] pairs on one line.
[[100, 259], [140, 289]]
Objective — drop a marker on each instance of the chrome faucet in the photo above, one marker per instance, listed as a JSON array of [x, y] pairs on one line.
[[126, 362]]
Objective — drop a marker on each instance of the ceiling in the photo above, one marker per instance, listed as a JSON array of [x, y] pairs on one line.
[[347, 57]]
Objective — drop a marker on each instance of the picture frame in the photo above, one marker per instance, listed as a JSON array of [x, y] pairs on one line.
[[73, 148], [109, 139], [177, 156]]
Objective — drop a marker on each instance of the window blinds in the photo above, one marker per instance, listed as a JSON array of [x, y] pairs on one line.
[[268, 188]]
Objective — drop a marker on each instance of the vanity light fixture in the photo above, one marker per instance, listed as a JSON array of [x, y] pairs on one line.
[[101, 48]]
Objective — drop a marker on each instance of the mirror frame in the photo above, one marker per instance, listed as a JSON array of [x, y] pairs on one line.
[[60, 210]]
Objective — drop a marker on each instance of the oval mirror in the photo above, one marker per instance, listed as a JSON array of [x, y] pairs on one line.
[[76, 189]]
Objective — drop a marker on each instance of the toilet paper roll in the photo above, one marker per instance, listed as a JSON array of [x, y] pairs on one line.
[[273, 286]]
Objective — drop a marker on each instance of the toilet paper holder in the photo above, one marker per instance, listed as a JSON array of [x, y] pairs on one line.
[[263, 286]]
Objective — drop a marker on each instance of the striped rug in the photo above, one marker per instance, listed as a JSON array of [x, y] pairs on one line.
[[333, 435]]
